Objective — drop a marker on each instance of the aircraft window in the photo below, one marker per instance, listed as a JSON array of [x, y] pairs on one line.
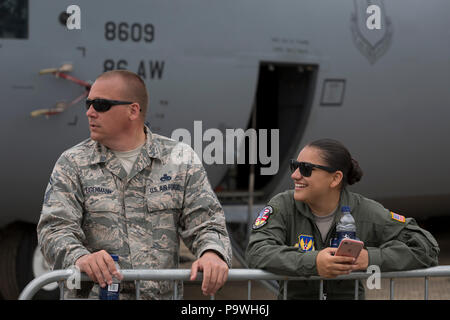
[[14, 19]]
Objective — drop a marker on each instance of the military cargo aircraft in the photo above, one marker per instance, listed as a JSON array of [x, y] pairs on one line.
[[372, 74]]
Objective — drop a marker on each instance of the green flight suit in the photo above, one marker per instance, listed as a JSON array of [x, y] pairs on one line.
[[288, 243]]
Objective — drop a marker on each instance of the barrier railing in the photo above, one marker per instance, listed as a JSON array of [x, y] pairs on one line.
[[249, 275]]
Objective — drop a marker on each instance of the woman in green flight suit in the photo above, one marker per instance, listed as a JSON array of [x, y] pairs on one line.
[[292, 234]]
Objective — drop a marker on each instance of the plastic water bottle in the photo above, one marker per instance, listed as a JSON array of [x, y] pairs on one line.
[[111, 291], [345, 228]]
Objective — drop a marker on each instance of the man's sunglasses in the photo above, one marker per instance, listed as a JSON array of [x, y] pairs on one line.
[[102, 105], [306, 168]]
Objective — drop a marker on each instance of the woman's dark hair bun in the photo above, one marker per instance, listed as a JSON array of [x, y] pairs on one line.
[[355, 173], [337, 156]]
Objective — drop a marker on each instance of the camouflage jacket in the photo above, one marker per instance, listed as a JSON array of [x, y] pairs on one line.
[[91, 204]]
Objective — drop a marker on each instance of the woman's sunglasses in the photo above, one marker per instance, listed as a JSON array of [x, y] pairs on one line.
[[306, 168], [103, 105]]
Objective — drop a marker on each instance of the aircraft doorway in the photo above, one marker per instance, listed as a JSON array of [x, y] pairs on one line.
[[283, 101]]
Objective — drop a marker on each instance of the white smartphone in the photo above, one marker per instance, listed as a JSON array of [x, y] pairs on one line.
[[350, 248]]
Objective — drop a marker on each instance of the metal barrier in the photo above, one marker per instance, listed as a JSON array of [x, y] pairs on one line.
[[249, 275]]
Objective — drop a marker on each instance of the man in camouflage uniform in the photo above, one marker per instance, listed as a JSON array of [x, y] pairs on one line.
[[133, 193]]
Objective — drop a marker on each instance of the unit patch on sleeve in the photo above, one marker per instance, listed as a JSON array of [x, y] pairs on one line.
[[397, 217], [306, 243], [263, 217]]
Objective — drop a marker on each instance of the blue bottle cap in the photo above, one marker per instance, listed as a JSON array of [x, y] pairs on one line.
[[115, 257], [345, 209]]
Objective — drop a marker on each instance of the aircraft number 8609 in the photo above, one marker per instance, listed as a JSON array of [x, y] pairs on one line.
[[123, 31]]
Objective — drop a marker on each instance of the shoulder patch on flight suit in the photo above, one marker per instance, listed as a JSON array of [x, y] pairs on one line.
[[263, 217], [305, 243], [397, 217]]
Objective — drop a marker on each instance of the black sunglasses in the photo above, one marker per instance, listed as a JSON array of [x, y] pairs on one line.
[[102, 105], [306, 167]]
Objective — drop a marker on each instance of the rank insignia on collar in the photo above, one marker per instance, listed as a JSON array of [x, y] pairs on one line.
[[262, 218], [397, 217], [306, 243]]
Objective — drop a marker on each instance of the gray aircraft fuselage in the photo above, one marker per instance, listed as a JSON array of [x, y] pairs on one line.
[[384, 93]]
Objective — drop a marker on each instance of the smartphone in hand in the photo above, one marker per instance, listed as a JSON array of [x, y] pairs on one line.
[[349, 248]]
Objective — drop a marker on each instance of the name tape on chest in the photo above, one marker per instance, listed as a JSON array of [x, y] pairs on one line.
[[166, 187], [97, 190]]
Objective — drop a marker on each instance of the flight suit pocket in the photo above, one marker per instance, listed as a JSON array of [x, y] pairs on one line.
[[416, 234]]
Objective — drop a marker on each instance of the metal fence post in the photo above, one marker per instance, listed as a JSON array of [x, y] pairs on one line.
[[391, 297], [175, 290], [321, 290], [285, 290], [138, 289], [61, 290]]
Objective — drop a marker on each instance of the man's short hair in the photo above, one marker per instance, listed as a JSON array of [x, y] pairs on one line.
[[135, 89]]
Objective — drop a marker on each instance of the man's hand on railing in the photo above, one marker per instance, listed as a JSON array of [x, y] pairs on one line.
[[99, 266], [215, 272]]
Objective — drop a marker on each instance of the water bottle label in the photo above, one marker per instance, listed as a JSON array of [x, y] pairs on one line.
[[348, 234], [114, 287], [334, 243], [111, 292]]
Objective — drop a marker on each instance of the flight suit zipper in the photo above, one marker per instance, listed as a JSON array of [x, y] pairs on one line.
[[324, 245], [330, 235]]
